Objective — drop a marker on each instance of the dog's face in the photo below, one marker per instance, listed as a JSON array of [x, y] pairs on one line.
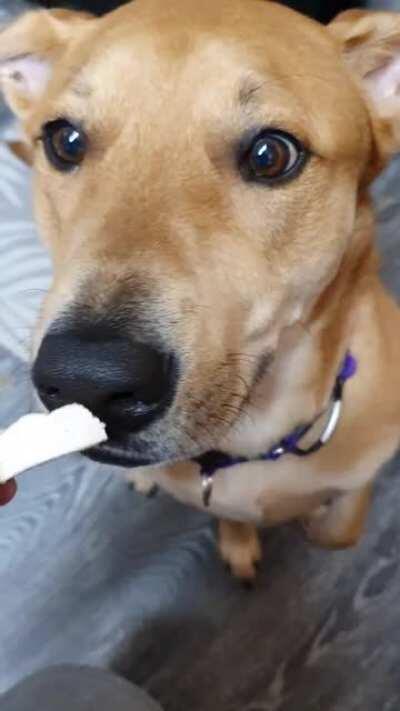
[[197, 174]]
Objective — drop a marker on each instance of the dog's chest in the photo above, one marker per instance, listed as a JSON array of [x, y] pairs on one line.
[[258, 492]]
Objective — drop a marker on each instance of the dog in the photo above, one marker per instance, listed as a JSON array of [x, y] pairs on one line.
[[201, 178]]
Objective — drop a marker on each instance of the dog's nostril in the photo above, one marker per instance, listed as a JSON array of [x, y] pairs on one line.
[[126, 396], [49, 391]]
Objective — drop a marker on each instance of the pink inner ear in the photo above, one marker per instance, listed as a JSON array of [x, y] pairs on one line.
[[384, 84], [29, 73]]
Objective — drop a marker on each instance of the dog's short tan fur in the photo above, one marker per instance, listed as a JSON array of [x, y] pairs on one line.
[[231, 274]]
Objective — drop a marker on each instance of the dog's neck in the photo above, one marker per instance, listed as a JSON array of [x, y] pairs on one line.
[[299, 383]]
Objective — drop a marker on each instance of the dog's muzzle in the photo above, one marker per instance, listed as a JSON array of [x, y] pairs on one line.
[[126, 383]]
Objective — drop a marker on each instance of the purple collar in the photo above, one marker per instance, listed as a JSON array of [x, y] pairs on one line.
[[214, 460]]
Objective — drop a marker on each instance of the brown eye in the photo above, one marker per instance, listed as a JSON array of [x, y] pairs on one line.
[[274, 155], [65, 145]]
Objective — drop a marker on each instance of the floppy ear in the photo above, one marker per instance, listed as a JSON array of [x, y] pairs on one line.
[[370, 42], [28, 49]]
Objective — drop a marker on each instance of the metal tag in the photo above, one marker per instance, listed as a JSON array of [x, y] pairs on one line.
[[206, 489]]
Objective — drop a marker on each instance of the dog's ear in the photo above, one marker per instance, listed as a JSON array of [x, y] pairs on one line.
[[28, 49], [370, 43]]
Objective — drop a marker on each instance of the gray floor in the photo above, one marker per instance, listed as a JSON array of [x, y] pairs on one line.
[[91, 572]]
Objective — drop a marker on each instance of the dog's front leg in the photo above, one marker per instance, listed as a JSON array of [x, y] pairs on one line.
[[240, 548], [340, 523]]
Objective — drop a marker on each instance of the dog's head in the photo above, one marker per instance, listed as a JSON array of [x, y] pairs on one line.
[[197, 171]]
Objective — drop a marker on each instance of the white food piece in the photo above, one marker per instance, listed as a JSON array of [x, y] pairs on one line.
[[39, 437]]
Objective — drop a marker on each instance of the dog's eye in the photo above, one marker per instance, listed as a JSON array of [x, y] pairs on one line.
[[64, 144], [273, 156]]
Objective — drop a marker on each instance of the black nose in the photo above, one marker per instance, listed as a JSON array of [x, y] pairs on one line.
[[126, 384]]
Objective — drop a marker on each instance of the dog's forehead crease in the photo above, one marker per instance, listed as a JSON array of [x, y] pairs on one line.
[[81, 87], [249, 92]]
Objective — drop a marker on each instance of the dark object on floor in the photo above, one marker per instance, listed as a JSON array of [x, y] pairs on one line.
[[80, 688], [322, 10], [98, 7]]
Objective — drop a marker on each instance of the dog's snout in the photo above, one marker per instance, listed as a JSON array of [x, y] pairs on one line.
[[124, 383]]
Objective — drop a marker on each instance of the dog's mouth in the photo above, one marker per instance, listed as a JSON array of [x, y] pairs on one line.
[[117, 453], [123, 449]]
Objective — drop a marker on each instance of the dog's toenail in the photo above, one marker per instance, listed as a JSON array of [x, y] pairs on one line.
[[153, 491], [248, 585]]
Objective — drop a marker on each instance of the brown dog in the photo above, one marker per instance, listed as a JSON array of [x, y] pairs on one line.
[[201, 179]]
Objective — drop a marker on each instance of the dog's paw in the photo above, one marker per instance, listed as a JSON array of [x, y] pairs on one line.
[[141, 482], [240, 549], [340, 523]]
